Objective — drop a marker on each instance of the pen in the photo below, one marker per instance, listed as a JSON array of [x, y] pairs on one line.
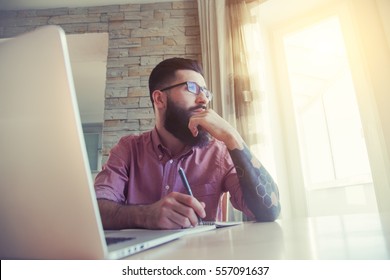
[[188, 188]]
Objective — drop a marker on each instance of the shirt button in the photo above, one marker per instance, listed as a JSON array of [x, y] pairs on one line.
[[167, 187], [171, 161]]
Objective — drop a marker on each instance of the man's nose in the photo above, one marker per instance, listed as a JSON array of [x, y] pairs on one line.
[[201, 98]]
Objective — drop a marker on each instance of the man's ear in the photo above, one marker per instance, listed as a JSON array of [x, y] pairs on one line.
[[159, 99]]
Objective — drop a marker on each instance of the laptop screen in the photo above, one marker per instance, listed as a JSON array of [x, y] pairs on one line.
[[47, 203]]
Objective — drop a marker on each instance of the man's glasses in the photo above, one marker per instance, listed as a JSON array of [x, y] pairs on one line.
[[194, 88]]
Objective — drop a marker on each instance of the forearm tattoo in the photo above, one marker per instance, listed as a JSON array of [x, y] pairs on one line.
[[261, 193]]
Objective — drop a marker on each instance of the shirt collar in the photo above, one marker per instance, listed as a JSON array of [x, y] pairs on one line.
[[161, 151]]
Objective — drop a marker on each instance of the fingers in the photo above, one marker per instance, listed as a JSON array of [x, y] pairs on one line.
[[193, 123], [217, 127], [179, 221], [189, 208], [190, 205], [177, 210], [210, 121], [194, 130]]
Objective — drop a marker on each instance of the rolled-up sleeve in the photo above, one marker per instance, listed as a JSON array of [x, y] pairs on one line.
[[111, 182]]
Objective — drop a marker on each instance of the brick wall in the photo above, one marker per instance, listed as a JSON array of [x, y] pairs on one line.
[[140, 36]]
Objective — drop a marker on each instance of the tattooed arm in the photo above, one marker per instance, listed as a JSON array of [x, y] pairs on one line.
[[260, 192]]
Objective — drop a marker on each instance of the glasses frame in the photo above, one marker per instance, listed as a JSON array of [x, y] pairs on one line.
[[190, 86]]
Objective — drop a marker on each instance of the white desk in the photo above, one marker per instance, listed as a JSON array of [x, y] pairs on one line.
[[335, 237]]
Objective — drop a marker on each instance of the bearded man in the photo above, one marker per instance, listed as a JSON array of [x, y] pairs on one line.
[[140, 186]]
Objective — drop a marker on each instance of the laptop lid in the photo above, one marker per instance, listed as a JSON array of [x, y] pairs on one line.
[[48, 208]]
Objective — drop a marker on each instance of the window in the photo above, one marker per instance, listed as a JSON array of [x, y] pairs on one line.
[[93, 143], [322, 107], [330, 135], [330, 132]]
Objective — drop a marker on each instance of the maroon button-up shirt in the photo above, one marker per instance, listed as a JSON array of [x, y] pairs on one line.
[[140, 170]]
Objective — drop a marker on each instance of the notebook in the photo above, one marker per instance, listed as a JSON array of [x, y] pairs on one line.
[[222, 224], [48, 208]]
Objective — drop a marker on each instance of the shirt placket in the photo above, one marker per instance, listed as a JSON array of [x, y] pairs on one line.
[[169, 177]]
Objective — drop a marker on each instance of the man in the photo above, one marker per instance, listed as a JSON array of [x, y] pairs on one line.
[[140, 187]]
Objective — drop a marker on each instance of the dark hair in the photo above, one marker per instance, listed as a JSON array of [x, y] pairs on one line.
[[164, 72]]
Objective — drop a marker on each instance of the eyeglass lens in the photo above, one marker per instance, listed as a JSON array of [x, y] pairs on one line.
[[196, 89], [192, 87]]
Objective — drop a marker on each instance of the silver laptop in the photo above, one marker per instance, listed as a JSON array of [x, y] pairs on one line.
[[48, 208]]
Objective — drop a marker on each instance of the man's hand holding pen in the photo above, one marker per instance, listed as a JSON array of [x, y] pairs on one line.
[[174, 211], [188, 188]]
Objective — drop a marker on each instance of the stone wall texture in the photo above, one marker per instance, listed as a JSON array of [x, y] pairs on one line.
[[140, 36]]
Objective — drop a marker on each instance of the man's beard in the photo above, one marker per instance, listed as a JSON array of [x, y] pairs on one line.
[[176, 122]]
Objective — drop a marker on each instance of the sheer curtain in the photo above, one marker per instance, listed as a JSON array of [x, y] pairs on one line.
[[216, 59], [233, 70], [246, 94], [227, 52]]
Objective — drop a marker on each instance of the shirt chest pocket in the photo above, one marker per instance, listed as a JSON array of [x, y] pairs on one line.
[[205, 190], [210, 194]]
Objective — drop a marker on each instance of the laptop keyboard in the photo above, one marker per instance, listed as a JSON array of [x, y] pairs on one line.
[[114, 240]]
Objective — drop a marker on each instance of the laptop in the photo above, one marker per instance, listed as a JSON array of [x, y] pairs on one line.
[[48, 208]]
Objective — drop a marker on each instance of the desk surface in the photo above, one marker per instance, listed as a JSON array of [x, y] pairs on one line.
[[335, 237]]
